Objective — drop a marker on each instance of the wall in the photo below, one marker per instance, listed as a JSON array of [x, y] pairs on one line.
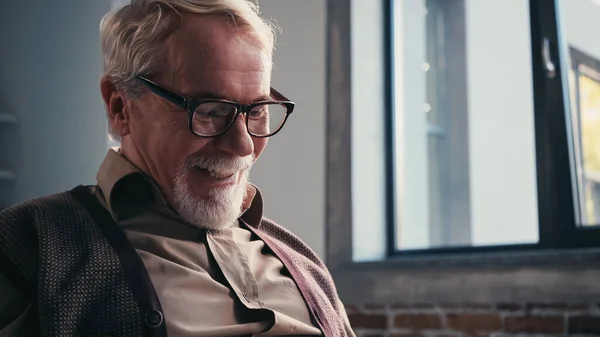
[[50, 66], [475, 320], [291, 171], [366, 125]]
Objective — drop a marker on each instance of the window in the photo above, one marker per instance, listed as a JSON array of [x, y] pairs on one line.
[[585, 111], [465, 124], [467, 168], [460, 161]]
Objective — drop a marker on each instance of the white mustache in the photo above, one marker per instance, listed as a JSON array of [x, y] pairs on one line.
[[220, 163]]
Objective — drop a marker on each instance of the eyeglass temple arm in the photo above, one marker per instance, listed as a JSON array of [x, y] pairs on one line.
[[278, 96], [172, 97]]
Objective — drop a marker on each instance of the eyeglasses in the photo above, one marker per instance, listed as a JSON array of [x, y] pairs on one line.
[[213, 117]]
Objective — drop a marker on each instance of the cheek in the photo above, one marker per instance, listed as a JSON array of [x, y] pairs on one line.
[[178, 146], [166, 137], [156, 132], [147, 120]]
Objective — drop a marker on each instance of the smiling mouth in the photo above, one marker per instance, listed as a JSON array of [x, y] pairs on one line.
[[215, 174]]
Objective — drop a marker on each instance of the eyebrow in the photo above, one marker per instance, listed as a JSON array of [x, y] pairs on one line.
[[213, 95]]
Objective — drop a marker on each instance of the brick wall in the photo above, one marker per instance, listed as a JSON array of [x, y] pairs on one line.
[[476, 320]]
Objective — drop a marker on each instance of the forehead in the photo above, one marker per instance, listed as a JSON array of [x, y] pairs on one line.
[[208, 54]]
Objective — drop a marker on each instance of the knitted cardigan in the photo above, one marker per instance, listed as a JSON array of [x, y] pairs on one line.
[[66, 254]]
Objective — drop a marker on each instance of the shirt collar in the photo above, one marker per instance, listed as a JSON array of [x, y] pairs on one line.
[[127, 190], [253, 207]]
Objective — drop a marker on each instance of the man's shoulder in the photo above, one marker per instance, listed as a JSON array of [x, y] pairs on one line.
[[36, 209], [21, 227]]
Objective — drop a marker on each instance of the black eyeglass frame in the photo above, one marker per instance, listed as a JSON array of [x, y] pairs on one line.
[[191, 104]]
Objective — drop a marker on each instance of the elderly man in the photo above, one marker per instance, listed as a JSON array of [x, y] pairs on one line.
[[171, 241]]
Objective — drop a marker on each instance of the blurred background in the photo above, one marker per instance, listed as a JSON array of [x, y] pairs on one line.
[[437, 197]]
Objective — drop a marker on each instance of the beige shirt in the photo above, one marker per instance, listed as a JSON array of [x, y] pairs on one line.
[[209, 283]]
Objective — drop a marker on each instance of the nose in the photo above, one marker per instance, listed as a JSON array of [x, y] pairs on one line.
[[237, 141]]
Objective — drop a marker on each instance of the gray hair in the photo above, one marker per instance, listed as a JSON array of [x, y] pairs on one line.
[[131, 34]]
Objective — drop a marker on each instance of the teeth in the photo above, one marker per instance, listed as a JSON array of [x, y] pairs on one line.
[[217, 175]]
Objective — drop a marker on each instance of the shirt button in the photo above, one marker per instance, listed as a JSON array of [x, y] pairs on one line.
[[154, 319]]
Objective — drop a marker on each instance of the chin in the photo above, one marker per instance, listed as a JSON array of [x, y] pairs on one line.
[[213, 207]]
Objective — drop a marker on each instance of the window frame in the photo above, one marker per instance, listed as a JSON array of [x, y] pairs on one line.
[[515, 272]]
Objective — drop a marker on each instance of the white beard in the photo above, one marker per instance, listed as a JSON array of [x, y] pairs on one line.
[[223, 205]]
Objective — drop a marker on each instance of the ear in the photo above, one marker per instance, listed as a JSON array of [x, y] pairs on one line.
[[115, 103]]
